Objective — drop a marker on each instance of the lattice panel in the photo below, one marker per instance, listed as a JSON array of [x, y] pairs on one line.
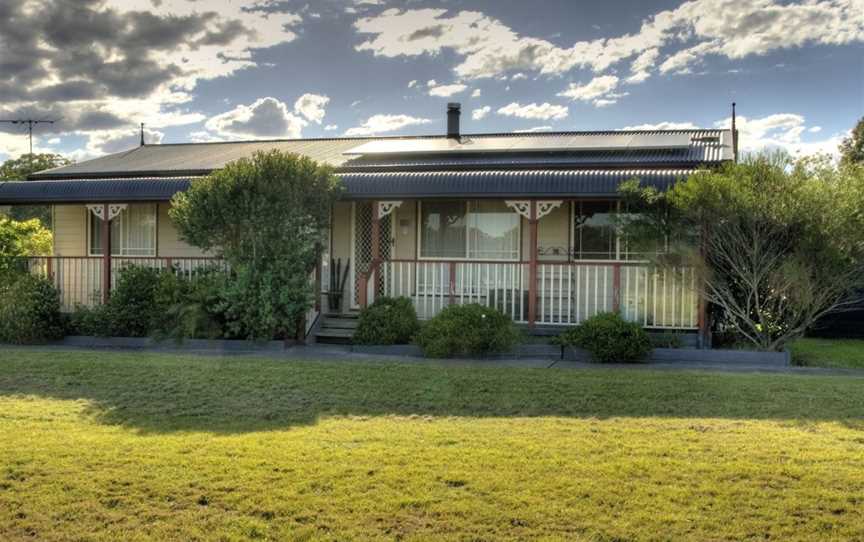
[[363, 244]]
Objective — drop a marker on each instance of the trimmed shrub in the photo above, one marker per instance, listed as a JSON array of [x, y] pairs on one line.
[[157, 302], [609, 338], [389, 320], [472, 330], [30, 311]]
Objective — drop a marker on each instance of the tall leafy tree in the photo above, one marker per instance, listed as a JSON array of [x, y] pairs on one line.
[[783, 241], [852, 148], [17, 169], [266, 216]]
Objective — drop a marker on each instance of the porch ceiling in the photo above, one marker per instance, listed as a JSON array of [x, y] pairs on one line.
[[503, 183]]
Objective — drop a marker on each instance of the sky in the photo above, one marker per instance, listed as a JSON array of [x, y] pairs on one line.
[[209, 70]]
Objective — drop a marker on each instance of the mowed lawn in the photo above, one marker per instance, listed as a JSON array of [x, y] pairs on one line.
[[104, 446], [829, 353]]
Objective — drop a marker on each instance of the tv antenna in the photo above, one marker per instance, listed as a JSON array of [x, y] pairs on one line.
[[30, 123]]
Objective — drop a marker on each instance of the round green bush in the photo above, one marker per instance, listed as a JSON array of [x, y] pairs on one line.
[[389, 320], [609, 338], [472, 330], [30, 311]]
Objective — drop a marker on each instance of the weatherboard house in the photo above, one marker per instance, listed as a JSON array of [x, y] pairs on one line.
[[519, 221]]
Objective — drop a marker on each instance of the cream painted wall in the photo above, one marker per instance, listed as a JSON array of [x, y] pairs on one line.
[[70, 233], [406, 231], [169, 243], [70, 230]]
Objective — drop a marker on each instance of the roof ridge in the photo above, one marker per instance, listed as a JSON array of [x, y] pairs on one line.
[[441, 136]]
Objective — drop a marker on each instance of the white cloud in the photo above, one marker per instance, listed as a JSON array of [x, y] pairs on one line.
[[663, 126], [544, 111], [122, 140], [640, 68], [779, 131], [412, 83], [732, 28], [480, 113], [312, 107], [265, 118], [597, 87], [445, 91], [518, 76], [599, 91], [476, 93], [103, 66], [814, 129], [534, 129], [377, 124], [331, 127]]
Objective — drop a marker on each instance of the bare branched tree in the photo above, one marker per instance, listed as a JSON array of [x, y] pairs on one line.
[[782, 242]]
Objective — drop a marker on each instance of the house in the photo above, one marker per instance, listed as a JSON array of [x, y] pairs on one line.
[[518, 221]]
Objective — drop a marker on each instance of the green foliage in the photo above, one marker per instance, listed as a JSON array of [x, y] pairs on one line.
[[609, 338], [852, 148], [30, 311], [17, 239], [156, 302], [783, 240], [388, 320], [17, 169], [266, 216], [193, 306], [472, 330], [263, 304]]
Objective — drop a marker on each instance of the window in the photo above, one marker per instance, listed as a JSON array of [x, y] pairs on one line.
[[477, 230], [594, 232], [133, 232]]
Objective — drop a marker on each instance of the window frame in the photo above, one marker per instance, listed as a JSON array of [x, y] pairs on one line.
[[89, 236], [466, 258]]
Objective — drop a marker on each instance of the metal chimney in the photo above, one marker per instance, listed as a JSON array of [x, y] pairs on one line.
[[454, 110]]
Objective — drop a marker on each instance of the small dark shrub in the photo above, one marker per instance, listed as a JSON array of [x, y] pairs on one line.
[[473, 330], [609, 338], [30, 311], [133, 307], [193, 307], [666, 340], [388, 320]]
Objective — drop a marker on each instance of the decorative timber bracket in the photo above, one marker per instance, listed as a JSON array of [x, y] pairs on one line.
[[114, 209], [523, 207], [387, 207]]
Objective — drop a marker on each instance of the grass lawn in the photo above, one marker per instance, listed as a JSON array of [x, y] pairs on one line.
[[829, 353], [138, 446]]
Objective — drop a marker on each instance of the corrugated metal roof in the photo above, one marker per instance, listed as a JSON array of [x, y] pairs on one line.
[[706, 146], [498, 184], [425, 184], [91, 191]]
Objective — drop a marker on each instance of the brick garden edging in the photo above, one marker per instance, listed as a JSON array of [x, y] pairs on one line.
[[526, 351]]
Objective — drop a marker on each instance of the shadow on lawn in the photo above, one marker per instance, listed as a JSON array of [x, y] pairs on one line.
[[163, 393]]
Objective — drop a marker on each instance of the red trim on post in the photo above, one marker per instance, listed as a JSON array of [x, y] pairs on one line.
[[532, 280], [106, 255], [616, 287]]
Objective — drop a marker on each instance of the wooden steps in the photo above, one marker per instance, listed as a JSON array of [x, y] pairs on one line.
[[337, 328]]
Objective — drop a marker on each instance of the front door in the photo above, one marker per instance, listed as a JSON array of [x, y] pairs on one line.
[[361, 245]]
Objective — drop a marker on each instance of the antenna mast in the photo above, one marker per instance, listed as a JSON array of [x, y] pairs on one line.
[[734, 135], [29, 123]]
